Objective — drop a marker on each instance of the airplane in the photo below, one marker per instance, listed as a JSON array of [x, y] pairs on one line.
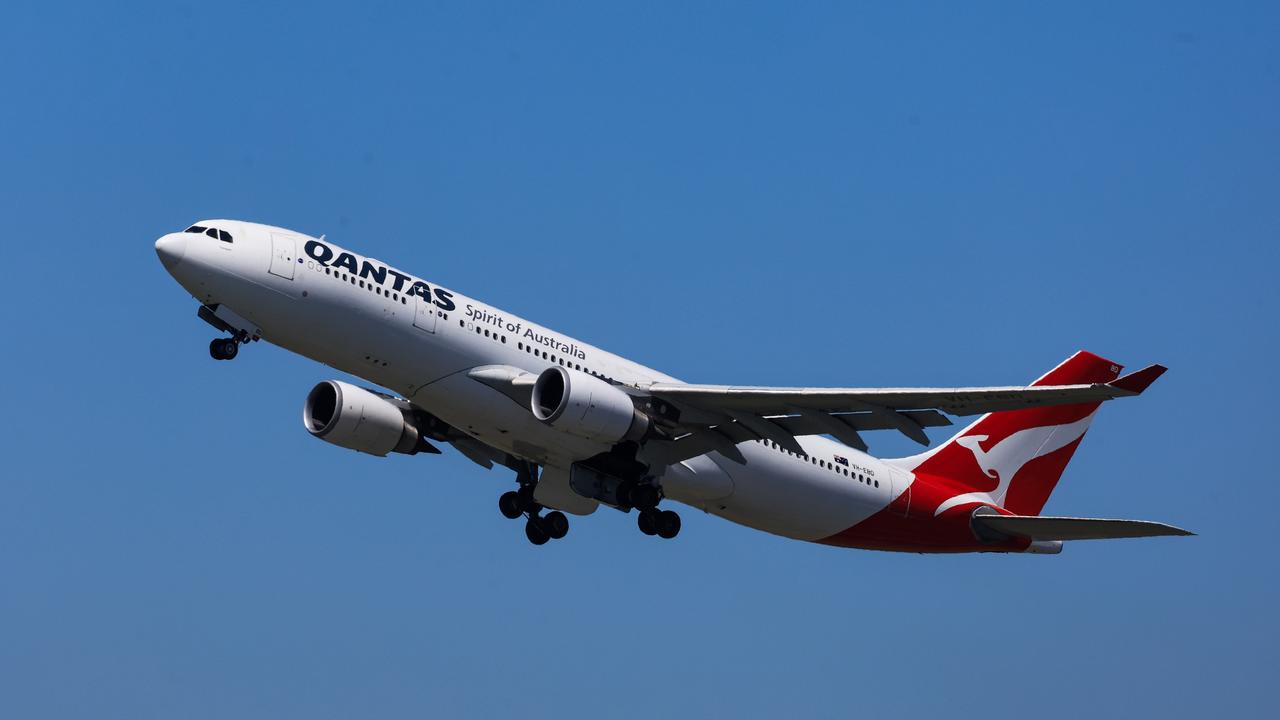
[[583, 428]]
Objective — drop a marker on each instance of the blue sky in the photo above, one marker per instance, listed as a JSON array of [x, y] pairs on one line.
[[741, 193]]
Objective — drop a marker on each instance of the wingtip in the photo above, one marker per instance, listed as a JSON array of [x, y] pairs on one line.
[[1136, 382]]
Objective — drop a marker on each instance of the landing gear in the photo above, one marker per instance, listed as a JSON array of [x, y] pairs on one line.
[[668, 524], [663, 523], [557, 524], [638, 496], [516, 503], [645, 497], [510, 505], [224, 348], [648, 522], [536, 531]]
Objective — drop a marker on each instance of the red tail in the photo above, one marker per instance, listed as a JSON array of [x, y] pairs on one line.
[[1014, 459]]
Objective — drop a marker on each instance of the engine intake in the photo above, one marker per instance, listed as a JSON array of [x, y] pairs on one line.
[[586, 406], [354, 418]]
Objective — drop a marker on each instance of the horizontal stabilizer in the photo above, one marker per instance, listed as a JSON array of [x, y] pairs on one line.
[[1071, 528]]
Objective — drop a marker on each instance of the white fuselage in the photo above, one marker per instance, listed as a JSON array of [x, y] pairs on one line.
[[419, 340]]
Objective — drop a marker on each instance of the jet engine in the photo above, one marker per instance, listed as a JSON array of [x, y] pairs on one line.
[[357, 419], [586, 406]]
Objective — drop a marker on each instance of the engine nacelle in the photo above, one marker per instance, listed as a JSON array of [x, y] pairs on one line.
[[354, 418], [586, 406]]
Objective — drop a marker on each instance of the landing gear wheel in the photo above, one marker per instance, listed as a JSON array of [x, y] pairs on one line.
[[557, 524], [668, 524], [536, 531], [648, 522], [510, 506], [644, 497], [223, 349]]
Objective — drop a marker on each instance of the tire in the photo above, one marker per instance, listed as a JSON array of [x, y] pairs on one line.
[[509, 505], [230, 348], [648, 522], [536, 532], [215, 349], [644, 497], [557, 524], [668, 524]]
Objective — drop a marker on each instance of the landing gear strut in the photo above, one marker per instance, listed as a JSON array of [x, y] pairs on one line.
[[538, 528]]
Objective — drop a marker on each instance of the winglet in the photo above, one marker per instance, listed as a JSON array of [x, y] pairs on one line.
[[1136, 382]]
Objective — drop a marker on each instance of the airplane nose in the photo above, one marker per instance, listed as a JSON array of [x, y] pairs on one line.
[[171, 248]]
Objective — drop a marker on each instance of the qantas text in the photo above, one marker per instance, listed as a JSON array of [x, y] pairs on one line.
[[381, 274]]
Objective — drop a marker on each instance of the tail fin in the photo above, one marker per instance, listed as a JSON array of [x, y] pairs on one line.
[[1014, 458]]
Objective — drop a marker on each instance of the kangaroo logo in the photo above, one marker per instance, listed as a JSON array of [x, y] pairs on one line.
[[1003, 461]]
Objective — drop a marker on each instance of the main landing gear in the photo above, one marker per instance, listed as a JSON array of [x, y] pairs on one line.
[[224, 348], [538, 528], [652, 521]]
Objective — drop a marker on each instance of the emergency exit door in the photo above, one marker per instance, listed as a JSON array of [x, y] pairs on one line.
[[424, 314]]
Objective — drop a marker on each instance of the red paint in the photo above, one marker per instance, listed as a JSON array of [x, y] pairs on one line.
[[954, 470]]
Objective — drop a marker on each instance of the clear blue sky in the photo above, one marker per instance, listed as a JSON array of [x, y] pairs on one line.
[[826, 194]]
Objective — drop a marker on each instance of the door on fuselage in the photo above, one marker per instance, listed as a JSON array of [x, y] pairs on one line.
[[424, 314], [283, 255]]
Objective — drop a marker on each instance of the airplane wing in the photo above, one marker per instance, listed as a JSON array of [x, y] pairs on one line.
[[718, 417], [698, 419]]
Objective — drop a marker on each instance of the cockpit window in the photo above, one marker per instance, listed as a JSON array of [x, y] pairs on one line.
[[214, 233]]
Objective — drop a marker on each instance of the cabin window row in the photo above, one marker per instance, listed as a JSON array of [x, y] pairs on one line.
[[537, 352], [825, 465], [371, 287]]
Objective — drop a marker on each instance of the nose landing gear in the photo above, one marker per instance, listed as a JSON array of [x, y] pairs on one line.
[[538, 528]]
